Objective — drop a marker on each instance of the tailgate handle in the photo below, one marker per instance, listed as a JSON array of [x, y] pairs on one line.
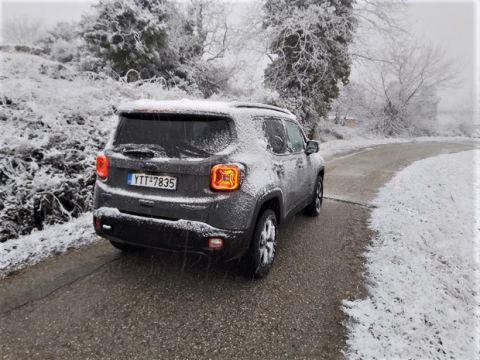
[[148, 203]]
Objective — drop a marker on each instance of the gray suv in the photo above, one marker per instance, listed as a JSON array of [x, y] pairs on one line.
[[216, 178]]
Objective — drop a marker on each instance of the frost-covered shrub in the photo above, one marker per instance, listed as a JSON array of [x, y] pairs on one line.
[[64, 51], [53, 120], [63, 42], [211, 78]]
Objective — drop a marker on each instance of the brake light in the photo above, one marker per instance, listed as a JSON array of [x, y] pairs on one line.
[[225, 177], [102, 166]]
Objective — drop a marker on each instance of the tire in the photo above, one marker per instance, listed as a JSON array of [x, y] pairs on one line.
[[315, 207], [124, 247], [260, 256]]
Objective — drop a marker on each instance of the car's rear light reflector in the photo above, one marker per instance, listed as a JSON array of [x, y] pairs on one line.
[[225, 177], [215, 243], [98, 223], [102, 166]]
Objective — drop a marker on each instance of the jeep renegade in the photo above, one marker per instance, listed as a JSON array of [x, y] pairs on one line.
[[215, 178]]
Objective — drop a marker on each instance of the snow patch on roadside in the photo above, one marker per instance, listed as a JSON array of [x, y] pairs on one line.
[[16, 254], [423, 267]]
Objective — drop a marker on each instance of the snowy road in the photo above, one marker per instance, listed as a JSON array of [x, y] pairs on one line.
[[96, 303]]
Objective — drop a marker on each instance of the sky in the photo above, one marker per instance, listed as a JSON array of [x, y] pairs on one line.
[[449, 24]]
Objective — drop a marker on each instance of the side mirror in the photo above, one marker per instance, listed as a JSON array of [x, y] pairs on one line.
[[312, 147]]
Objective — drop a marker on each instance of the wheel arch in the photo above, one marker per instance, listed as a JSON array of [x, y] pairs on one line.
[[273, 200], [321, 172]]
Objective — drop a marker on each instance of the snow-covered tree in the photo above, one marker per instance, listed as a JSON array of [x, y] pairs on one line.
[[22, 31], [350, 103], [63, 42], [201, 34], [405, 86], [309, 53], [178, 42], [376, 21], [130, 35]]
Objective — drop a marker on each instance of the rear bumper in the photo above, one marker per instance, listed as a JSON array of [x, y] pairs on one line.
[[178, 235]]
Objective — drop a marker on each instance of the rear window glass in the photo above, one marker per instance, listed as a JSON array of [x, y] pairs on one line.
[[174, 135]]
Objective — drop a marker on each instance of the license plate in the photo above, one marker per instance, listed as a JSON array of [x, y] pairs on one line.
[[152, 181]]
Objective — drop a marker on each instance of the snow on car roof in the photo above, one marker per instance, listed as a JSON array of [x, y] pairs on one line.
[[199, 106]]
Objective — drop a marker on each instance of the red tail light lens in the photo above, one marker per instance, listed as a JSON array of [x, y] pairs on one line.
[[215, 243], [102, 166], [225, 177]]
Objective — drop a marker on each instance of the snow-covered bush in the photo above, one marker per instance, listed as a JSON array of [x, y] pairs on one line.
[[64, 51], [62, 42], [211, 78], [53, 120]]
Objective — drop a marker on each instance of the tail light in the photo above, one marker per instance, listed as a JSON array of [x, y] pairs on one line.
[[225, 177], [102, 166]]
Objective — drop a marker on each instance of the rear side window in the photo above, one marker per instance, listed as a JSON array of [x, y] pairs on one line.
[[295, 137], [174, 135], [275, 135]]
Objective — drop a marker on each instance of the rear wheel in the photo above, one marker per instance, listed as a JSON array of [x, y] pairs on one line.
[[315, 207], [261, 254], [124, 247]]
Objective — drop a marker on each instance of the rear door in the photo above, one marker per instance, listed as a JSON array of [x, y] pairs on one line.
[[297, 144], [283, 162], [158, 161]]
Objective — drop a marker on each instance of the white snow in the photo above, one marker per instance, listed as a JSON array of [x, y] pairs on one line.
[[199, 106], [16, 254], [423, 267], [175, 106]]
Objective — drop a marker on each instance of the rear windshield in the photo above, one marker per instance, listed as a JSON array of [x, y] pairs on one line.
[[173, 135]]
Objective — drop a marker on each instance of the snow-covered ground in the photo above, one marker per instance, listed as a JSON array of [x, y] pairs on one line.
[[15, 254], [423, 267]]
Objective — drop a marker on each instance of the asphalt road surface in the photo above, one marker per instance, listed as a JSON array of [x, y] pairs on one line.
[[97, 303]]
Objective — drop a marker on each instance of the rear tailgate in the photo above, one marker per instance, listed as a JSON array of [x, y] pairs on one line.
[[185, 149]]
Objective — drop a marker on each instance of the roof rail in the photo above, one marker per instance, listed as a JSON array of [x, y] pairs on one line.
[[238, 104]]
